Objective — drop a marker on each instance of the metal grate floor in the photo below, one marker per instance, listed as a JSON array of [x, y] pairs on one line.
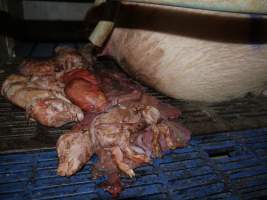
[[17, 134], [231, 165]]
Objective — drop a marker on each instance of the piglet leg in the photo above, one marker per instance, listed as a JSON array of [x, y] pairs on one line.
[[118, 158]]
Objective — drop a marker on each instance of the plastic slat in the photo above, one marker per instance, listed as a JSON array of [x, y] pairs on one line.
[[187, 173]]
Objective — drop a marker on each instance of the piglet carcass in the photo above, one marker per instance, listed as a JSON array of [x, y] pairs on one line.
[[124, 137], [65, 59], [132, 128], [87, 96], [82, 88], [190, 54], [43, 99], [99, 90]]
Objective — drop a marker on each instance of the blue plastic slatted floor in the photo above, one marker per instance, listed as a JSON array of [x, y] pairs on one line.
[[219, 166]]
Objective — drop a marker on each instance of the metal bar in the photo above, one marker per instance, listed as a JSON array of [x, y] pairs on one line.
[[101, 32], [236, 6]]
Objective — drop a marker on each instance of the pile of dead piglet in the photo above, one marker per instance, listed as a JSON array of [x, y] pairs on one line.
[[116, 119]]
